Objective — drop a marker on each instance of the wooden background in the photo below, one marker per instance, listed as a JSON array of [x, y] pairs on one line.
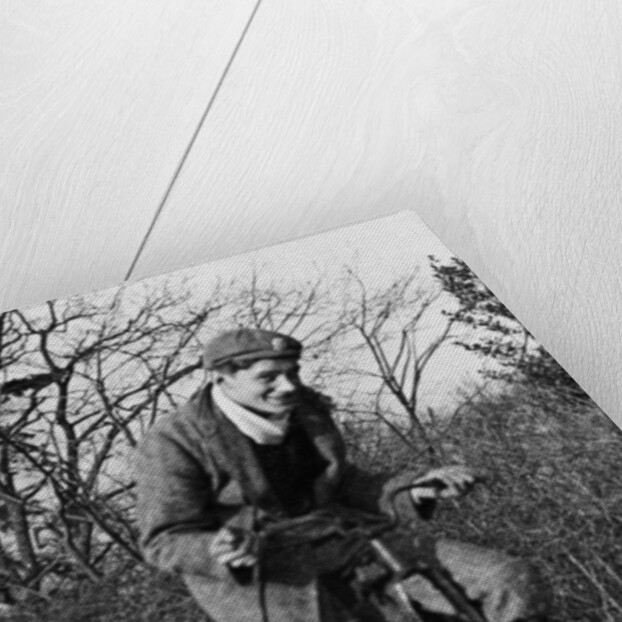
[[497, 121]]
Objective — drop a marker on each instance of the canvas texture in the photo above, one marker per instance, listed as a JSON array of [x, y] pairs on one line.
[[119, 473]]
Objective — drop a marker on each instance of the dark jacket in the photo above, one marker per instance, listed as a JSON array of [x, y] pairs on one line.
[[195, 473]]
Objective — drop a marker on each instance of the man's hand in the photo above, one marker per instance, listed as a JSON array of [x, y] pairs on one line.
[[232, 548], [444, 482]]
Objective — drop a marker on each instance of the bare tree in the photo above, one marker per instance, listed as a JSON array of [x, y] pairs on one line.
[[81, 380], [401, 326]]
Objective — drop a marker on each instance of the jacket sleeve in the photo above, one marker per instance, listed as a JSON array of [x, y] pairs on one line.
[[345, 482], [365, 490], [372, 492], [176, 507]]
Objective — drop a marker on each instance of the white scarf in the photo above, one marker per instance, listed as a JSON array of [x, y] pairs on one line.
[[263, 431]]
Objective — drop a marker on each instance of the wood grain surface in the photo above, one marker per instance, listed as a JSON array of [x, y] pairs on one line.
[[498, 122], [98, 101]]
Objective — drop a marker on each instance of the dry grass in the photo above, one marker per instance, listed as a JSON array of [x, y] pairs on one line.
[[131, 594], [553, 494]]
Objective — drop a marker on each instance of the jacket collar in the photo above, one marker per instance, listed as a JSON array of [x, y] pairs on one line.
[[237, 449]]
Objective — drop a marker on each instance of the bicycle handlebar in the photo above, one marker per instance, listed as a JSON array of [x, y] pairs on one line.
[[377, 532]]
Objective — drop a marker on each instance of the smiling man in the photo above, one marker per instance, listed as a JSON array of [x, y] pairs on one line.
[[255, 447]]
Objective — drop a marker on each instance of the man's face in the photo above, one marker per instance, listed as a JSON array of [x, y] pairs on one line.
[[269, 386]]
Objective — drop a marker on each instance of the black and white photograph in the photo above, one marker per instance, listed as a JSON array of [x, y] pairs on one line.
[[350, 426], [310, 311]]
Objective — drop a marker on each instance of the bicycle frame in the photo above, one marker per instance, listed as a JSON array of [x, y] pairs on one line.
[[425, 564], [376, 538]]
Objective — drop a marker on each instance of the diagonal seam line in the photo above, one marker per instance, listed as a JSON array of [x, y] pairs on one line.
[[190, 144]]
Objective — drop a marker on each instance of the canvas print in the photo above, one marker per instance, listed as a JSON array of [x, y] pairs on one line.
[[346, 427]]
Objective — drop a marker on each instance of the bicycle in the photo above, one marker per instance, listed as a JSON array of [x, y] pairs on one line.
[[374, 539]]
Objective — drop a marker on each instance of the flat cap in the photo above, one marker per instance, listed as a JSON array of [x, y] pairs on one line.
[[249, 344]]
